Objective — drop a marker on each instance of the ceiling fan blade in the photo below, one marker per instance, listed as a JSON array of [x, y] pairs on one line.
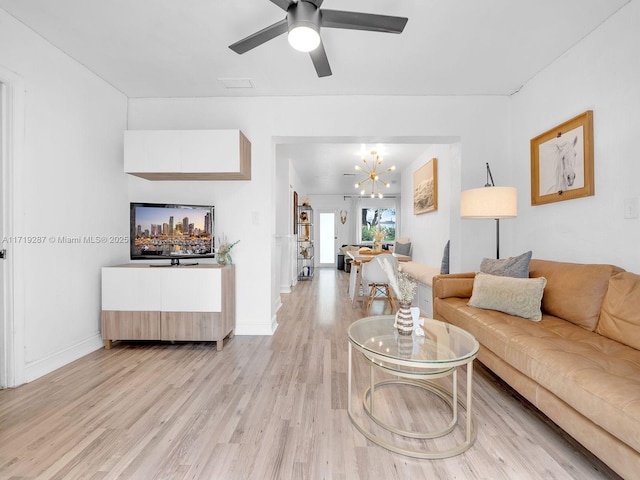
[[320, 61], [258, 38], [362, 21], [317, 3], [283, 4]]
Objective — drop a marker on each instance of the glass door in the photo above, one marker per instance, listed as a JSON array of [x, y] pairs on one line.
[[327, 238]]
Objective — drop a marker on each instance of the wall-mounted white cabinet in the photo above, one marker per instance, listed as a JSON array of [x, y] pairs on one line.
[[187, 154]]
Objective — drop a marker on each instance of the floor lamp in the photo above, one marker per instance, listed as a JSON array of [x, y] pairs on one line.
[[490, 202]]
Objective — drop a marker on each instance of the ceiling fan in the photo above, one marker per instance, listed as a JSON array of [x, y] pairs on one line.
[[303, 22]]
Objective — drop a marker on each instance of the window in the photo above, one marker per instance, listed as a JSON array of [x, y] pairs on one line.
[[372, 218]]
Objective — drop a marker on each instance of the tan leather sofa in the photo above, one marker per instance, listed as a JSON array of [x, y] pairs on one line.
[[580, 365]]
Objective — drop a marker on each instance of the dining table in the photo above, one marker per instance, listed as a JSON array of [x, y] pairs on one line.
[[358, 258]]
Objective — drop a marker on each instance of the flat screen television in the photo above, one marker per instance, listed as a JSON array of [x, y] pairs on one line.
[[169, 231]]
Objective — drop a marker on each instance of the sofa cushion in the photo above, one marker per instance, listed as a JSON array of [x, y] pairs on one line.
[[419, 271], [516, 296], [508, 267], [620, 316], [574, 291]]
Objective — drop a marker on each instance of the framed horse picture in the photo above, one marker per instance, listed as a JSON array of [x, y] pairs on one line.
[[562, 161]]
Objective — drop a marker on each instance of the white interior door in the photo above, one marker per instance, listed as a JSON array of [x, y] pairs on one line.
[[3, 303], [327, 238], [12, 101]]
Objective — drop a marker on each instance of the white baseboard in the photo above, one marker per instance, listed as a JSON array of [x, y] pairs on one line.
[[277, 305], [255, 328], [285, 288], [40, 368]]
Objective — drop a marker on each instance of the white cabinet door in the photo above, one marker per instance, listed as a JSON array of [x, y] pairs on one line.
[[191, 289], [152, 151], [424, 300], [130, 289], [210, 151]]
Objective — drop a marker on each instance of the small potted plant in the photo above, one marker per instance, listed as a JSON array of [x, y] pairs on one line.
[[224, 251]]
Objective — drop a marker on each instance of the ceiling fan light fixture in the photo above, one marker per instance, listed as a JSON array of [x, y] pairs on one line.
[[303, 22], [304, 38], [304, 27]]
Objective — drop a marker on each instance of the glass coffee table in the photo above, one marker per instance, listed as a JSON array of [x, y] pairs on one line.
[[417, 361]]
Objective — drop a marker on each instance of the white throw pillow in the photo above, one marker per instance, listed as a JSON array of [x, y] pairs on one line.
[[515, 296]]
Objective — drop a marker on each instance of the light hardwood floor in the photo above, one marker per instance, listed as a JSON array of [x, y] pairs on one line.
[[263, 408]]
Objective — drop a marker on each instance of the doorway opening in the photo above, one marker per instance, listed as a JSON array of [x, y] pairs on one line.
[[327, 238]]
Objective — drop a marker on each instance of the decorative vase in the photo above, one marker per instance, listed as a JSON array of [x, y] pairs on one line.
[[404, 319], [377, 246]]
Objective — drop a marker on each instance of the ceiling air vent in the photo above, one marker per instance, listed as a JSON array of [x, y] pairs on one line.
[[236, 82]]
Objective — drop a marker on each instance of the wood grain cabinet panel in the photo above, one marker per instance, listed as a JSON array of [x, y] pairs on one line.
[[132, 325]]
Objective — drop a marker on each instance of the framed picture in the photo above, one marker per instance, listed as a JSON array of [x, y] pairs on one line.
[[295, 213], [562, 161], [425, 188]]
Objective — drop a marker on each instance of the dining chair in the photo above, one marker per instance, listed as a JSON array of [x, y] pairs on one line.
[[375, 278]]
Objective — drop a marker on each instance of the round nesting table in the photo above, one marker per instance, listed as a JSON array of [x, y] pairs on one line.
[[417, 361]]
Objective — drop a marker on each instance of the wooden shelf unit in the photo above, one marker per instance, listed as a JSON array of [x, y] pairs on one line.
[[306, 261]]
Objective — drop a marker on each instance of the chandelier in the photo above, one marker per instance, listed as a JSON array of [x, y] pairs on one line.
[[372, 175]]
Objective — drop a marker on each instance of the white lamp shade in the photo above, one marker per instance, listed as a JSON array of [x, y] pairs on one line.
[[304, 38], [489, 202]]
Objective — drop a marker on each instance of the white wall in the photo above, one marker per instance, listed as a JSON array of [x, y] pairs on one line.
[[284, 225], [69, 182], [601, 73], [429, 232], [246, 210]]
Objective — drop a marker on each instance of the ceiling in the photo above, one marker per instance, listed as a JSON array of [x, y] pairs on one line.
[[179, 48]]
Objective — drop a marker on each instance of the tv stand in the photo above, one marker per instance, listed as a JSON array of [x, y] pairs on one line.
[[174, 304]]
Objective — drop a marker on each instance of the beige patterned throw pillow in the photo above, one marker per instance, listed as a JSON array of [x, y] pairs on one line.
[[515, 296]]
